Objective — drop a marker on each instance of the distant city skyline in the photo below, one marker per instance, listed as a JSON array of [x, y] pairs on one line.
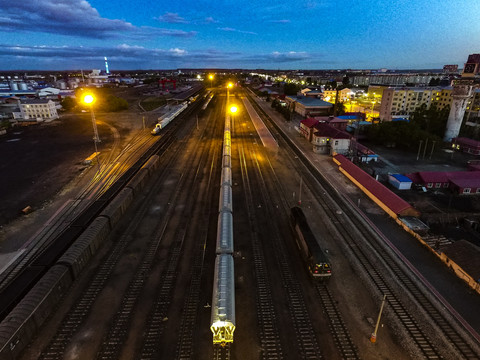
[[304, 34]]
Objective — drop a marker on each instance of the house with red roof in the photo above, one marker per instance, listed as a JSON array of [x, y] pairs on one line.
[[465, 182], [466, 145], [329, 140], [390, 202], [336, 122], [433, 179], [461, 182], [307, 128]]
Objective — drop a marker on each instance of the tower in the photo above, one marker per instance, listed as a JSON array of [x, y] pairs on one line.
[[462, 91], [106, 66]]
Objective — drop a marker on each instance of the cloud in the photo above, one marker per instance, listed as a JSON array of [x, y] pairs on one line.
[[211, 20], [172, 18], [71, 18], [309, 4], [238, 31], [288, 56], [125, 56]]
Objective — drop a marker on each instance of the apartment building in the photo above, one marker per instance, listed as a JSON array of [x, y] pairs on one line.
[[472, 114], [399, 103], [343, 95], [393, 79]]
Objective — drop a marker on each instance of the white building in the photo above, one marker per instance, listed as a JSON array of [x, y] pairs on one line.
[[36, 110]]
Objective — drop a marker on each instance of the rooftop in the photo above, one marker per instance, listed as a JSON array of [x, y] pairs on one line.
[[310, 101], [329, 131]]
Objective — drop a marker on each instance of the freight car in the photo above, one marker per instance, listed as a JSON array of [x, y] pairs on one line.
[[317, 261], [223, 301]]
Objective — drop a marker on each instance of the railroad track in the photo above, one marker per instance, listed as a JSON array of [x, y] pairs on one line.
[[338, 328], [267, 321], [349, 223], [101, 181], [221, 352], [186, 340], [307, 344], [185, 348], [82, 308]]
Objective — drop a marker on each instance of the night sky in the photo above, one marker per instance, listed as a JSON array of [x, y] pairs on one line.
[[322, 34]]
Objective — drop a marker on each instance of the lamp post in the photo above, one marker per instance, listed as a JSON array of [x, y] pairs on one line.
[[89, 100], [373, 337], [211, 80], [233, 110], [373, 105]]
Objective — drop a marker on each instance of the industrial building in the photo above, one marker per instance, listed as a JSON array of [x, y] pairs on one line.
[[36, 110]]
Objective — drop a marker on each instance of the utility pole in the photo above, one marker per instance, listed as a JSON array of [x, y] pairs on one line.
[[143, 117], [425, 150], [419, 147], [373, 337], [431, 153], [300, 192]]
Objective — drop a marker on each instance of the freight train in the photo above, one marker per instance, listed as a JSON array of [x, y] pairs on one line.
[[222, 318], [30, 298]]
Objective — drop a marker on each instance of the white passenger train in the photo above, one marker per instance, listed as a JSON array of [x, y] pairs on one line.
[[167, 118]]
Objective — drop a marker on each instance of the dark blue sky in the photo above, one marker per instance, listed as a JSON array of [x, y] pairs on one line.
[[323, 34]]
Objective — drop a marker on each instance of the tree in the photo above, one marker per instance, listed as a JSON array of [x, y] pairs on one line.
[[338, 109], [432, 120], [275, 104], [290, 89], [68, 103], [332, 84], [346, 80], [405, 135], [113, 104]]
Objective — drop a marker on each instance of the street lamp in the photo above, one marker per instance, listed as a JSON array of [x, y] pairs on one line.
[[373, 105], [233, 110], [211, 79], [89, 100]]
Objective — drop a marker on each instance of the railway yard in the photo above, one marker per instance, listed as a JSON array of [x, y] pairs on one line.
[[138, 282]]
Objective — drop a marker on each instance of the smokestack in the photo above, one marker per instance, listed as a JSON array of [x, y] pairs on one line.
[[106, 66]]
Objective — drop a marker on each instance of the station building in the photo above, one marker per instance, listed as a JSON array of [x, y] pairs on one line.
[[308, 106]]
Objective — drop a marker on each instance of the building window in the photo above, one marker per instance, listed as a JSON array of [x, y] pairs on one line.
[[336, 142], [466, 190], [445, 185], [438, 185], [429, 185]]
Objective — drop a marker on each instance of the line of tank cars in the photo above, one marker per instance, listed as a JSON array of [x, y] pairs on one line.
[[223, 295]]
